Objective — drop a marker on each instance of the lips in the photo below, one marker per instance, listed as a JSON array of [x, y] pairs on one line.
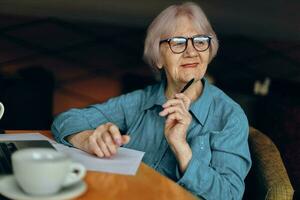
[[189, 65]]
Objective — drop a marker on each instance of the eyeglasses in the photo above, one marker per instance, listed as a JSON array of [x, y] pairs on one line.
[[179, 44]]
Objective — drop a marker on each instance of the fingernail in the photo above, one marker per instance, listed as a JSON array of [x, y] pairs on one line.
[[119, 142]]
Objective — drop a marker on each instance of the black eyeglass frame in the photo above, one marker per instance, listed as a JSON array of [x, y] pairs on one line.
[[168, 40]]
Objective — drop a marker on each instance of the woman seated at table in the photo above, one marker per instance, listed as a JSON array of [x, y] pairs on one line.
[[198, 138]]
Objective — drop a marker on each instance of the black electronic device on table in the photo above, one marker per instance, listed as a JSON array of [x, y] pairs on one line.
[[7, 148]]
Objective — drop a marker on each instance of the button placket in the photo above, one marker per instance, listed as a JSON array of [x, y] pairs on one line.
[[162, 151], [202, 145]]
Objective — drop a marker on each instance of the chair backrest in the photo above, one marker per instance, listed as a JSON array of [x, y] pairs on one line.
[[271, 181]]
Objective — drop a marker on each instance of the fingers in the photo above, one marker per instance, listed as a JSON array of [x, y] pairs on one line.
[[170, 110], [180, 104], [176, 113], [178, 117], [186, 100], [125, 139], [110, 145], [91, 146], [115, 134], [174, 102], [177, 110], [105, 140], [180, 100], [103, 147]]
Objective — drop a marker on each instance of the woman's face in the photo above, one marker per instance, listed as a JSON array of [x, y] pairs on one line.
[[182, 67]]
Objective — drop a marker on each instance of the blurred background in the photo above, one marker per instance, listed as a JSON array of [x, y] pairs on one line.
[[60, 54]]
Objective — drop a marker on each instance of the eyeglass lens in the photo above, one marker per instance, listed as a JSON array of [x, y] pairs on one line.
[[178, 45]]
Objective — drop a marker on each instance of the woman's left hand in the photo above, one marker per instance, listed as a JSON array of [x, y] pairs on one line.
[[178, 119]]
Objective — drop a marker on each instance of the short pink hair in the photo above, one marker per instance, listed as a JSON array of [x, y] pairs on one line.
[[164, 23]]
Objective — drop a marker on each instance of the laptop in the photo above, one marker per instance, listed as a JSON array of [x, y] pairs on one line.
[[7, 148]]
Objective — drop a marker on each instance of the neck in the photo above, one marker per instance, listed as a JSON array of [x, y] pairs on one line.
[[193, 92]]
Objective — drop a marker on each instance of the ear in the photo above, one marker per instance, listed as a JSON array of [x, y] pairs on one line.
[[160, 63], [159, 66]]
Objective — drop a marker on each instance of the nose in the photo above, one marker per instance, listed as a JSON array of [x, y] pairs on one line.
[[190, 50]]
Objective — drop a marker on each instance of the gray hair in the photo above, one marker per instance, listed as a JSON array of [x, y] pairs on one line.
[[163, 24]]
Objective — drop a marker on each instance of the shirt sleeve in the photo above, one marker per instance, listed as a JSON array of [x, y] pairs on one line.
[[223, 177], [119, 110]]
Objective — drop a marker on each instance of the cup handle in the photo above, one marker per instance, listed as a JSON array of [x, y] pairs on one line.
[[77, 172]]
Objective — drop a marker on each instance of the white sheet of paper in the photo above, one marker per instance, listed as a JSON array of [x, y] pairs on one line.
[[25, 136], [126, 161]]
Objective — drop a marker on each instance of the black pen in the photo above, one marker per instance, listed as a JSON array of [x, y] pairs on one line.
[[187, 85]]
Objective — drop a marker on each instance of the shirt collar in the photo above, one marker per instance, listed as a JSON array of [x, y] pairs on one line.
[[199, 108], [157, 96]]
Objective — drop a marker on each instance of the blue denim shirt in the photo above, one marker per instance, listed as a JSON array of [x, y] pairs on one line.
[[217, 135]]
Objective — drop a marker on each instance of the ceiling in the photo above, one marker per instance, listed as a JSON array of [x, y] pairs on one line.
[[276, 19]]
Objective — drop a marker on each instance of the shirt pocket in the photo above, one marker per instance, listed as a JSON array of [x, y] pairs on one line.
[[201, 149]]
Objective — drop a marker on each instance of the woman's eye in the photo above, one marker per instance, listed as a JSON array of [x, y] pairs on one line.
[[178, 42], [199, 43]]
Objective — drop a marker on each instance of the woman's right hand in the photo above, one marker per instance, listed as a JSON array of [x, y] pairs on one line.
[[103, 141]]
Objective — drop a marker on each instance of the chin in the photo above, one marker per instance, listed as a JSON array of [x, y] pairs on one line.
[[196, 76], [187, 79]]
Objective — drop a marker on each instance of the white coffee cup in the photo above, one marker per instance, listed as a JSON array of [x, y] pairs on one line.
[[1, 110], [43, 171]]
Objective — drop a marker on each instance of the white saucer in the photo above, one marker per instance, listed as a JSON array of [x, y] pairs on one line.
[[9, 188]]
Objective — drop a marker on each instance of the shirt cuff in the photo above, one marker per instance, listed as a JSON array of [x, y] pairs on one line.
[[64, 129], [195, 174]]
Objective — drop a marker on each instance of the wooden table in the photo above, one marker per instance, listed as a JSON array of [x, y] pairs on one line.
[[146, 184]]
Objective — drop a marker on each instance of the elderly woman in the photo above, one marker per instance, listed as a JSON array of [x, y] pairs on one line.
[[197, 138]]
